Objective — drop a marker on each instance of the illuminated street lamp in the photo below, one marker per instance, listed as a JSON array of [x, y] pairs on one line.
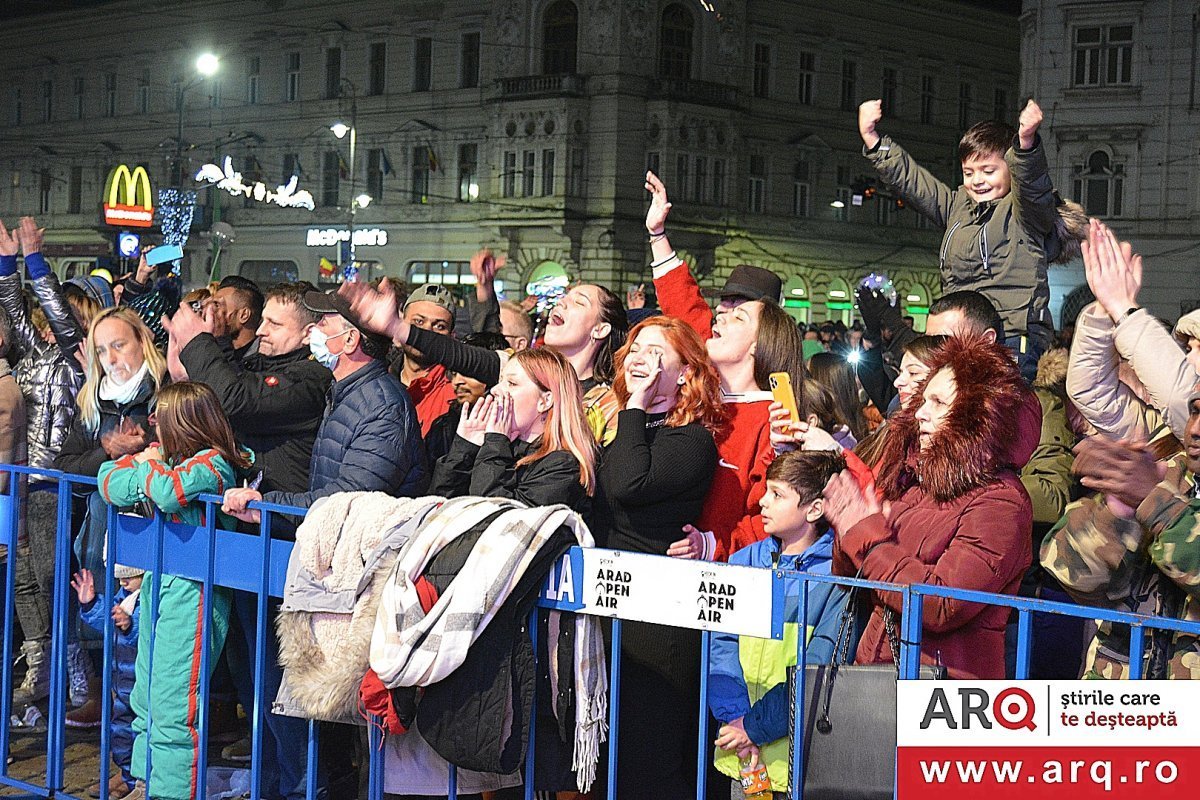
[[357, 201], [207, 65]]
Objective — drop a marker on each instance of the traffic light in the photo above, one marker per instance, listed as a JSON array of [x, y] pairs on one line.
[[862, 188]]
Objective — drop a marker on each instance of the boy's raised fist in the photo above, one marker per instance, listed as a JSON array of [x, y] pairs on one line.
[[1031, 118], [869, 114]]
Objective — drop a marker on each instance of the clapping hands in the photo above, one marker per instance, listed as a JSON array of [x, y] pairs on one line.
[[1113, 270]]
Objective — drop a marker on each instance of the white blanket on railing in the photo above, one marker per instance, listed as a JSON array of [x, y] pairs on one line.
[[412, 648]]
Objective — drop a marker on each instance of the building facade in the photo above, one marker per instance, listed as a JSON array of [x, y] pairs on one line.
[[1117, 81], [523, 125]]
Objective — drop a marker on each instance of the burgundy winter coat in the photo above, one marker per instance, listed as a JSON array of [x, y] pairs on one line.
[[959, 515]]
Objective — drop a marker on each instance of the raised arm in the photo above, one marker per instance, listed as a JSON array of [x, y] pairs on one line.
[[475, 362], [485, 311], [899, 171], [68, 334], [1115, 277], [11, 300], [678, 293], [1035, 207], [1094, 385]]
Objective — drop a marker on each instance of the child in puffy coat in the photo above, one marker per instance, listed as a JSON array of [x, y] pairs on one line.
[[125, 613], [195, 454], [748, 676]]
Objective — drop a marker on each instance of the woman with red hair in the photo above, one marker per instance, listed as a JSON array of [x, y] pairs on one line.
[[954, 512], [654, 476], [527, 440]]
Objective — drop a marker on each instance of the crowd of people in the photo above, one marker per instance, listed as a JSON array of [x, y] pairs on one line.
[[978, 453]]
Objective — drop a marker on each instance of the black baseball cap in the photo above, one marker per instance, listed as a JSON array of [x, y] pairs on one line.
[[753, 283], [374, 344]]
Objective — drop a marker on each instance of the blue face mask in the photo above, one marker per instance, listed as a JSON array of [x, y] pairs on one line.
[[318, 344]]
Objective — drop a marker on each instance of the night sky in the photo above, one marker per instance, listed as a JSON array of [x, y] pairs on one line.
[[10, 9]]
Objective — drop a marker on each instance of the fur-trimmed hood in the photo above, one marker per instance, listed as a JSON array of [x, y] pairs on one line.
[[976, 440], [1070, 229]]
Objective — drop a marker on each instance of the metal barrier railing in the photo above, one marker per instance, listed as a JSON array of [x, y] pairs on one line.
[[215, 558]]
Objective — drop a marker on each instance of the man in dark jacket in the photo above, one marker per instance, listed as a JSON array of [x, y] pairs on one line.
[[275, 398], [370, 439]]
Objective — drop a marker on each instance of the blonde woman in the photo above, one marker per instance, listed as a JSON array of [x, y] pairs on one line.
[[124, 374]]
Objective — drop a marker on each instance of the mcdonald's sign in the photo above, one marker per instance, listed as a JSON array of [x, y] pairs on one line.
[[128, 199]]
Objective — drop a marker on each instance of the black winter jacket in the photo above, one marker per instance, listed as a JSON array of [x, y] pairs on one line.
[[478, 717], [369, 441], [82, 453], [275, 404], [491, 471]]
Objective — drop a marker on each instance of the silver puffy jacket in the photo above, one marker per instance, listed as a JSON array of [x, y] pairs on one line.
[[48, 379]]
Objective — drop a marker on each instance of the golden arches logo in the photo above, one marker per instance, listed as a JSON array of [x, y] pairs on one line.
[[129, 199]]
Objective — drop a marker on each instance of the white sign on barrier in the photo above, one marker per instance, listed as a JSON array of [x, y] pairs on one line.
[[686, 594]]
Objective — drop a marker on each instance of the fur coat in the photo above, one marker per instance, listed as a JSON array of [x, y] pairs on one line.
[[344, 552], [959, 516]]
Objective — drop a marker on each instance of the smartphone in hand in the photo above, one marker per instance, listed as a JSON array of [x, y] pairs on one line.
[[782, 392]]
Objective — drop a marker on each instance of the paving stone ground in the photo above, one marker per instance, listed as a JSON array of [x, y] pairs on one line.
[[80, 761]]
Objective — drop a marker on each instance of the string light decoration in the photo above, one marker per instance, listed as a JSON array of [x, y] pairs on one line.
[[176, 210]]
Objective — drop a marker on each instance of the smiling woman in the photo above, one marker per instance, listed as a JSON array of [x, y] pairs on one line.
[[653, 480], [750, 338]]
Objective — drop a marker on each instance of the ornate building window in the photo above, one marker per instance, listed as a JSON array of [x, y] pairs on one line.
[[675, 42], [560, 38]]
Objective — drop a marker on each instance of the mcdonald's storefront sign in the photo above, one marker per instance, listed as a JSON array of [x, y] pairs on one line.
[[128, 201]]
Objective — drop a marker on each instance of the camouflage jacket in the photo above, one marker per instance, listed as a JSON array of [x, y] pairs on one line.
[[1147, 565]]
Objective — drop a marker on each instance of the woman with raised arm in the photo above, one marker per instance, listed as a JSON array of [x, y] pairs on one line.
[[49, 381], [654, 477], [750, 338]]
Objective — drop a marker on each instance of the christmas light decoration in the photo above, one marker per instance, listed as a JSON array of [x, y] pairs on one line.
[[231, 181], [176, 210]]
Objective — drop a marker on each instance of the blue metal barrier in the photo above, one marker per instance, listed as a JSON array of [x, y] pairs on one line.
[[218, 558]]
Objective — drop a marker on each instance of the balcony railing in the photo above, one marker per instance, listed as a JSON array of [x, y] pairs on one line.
[[700, 92], [541, 86]]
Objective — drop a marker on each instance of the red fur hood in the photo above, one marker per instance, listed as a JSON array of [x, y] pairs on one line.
[[989, 428]]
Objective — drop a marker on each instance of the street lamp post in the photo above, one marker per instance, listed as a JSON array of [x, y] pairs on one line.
[[357, 201], [206, 66]]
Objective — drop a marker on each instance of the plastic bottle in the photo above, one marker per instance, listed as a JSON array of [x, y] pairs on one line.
[[756, 783]]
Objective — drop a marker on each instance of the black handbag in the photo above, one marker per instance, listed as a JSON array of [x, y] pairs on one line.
[[849, 725]]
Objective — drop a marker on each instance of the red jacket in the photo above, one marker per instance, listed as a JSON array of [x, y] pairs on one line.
[[979, 541], [432, 395], [743, 447], [744, 452], [731, 510]]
